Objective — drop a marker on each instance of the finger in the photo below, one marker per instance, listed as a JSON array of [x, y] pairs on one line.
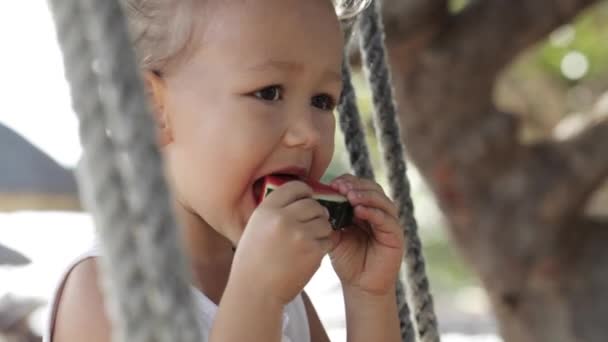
[[340, 178], [319, 228], [348, 182], [288, 193], [307, 209], [374, 199], [377, 218], [385, 229], [362, 225]]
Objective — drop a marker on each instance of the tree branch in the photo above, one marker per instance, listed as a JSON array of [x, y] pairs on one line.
[[404, 19], [493, 32], [562, 295], [583, 168], [513, 209], [452, 128], [409, 26], [453, 71], [447, 85], [540, 191]]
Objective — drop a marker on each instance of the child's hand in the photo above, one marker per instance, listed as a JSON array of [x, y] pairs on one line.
[[283, 243], [368, 256]]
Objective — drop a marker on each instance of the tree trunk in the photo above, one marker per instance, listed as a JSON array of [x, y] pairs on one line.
[[514, 210]]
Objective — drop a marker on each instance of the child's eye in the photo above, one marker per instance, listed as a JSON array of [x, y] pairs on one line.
[[323, 102], [271, 93]]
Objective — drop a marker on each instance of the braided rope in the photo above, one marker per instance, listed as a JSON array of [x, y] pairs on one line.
[[376, 66], [103, 190], [153, 283], [354, 139], [133, 131], [352, 128]]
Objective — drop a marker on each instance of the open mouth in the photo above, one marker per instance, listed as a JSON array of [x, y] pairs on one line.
[[258, 185]]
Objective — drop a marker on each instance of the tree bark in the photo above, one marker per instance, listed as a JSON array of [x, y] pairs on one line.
[[515, 210]]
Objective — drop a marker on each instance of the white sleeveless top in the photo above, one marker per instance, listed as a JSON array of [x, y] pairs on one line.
[[295, 320]]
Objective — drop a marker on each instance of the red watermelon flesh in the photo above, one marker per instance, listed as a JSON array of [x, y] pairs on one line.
[[340, 210]]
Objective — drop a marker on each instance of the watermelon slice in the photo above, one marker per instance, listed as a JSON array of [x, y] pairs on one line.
[[340, 210]]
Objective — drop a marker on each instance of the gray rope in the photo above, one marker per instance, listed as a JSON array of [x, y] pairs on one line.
[[354, 139], [376, 66], [352, 128], [148, 301], [103, 190], [133, 131]]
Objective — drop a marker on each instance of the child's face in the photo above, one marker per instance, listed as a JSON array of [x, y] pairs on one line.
[[255, 99]]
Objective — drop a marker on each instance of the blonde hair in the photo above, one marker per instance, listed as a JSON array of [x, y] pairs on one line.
[[163, 30]]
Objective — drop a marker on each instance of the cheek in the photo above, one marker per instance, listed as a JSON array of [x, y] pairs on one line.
[[214, 159], [325, 151], [208, 181], [328, 137]]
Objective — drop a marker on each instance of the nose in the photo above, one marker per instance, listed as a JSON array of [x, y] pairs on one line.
[[302, 131]]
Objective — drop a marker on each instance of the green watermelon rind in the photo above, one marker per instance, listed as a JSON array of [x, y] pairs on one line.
[[340, 211]]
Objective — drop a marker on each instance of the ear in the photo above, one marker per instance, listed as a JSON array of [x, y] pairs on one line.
[[157, 91]]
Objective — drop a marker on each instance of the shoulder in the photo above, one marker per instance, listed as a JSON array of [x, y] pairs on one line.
[[80, 312]]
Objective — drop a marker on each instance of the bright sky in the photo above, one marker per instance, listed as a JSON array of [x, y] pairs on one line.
[[35, 96]]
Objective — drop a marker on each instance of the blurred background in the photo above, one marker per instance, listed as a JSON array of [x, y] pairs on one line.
[[559, 84]]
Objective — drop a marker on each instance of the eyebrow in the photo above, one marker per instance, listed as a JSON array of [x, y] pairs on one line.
[[292, 67]]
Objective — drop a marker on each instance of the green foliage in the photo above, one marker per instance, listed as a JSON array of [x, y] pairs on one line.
[[456, 6], [588, 34]]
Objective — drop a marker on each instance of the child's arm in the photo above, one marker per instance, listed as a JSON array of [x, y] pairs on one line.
[[371, 317], [80, 312], [244, 314]]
